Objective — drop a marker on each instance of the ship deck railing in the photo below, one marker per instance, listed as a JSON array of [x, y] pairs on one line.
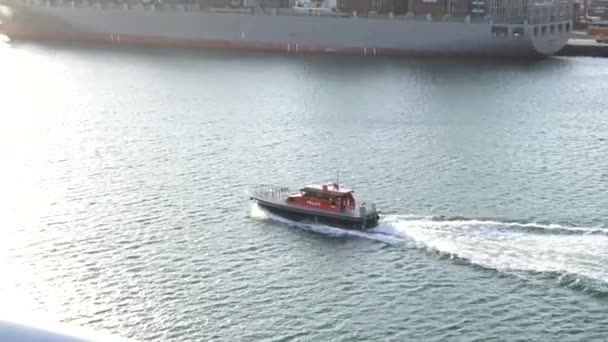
[[270, 192], [538, 12]]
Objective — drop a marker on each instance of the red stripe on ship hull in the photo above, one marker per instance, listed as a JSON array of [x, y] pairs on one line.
[[15, 32]]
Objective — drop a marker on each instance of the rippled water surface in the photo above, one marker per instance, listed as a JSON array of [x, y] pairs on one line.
[[124, 206]]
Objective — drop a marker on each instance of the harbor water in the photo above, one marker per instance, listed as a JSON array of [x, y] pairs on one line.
[[124, 195]]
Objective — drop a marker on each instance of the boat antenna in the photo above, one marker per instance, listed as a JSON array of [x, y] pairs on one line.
[[338, 179]]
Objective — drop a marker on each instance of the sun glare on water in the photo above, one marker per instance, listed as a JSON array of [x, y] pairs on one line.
[[28, 132]]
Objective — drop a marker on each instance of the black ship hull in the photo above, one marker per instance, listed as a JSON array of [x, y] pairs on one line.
[[312, 216]]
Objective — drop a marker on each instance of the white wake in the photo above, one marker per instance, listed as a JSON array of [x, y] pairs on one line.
[[504, 246]]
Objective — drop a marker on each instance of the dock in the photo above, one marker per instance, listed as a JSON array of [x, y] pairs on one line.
[[582, 45]]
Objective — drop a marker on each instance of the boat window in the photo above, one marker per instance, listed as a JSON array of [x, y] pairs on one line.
[[320, 195], [518, 31], [536, 30], [500, 31], [317, 195], [309, 194]]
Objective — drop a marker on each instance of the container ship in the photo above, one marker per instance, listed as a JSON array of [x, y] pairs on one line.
[[492, 28]]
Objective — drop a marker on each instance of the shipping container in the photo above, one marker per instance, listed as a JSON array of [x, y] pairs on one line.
[[360, 6], [251, 3], [436, 8], [517, 11], [203, 3], [598, 32], [598, 8], [479, 8], [382, 6], [219, 3], [274, 3], [401, 7], [459, 8], [598, 12]]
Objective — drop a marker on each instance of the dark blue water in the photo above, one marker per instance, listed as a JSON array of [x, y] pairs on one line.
[[124, 202]]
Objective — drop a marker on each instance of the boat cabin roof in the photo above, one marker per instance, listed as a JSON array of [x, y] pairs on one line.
[[328, 188]]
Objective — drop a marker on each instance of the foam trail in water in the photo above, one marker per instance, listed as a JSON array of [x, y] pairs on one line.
[[502, 246], [514, 247]]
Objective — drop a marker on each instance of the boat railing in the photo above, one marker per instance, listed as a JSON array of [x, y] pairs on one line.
[[271, 192], [363, 209]]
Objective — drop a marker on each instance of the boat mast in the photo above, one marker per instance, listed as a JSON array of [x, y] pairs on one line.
[[338, 178]]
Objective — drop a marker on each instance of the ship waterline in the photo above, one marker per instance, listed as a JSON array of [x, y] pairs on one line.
[[369, 36]]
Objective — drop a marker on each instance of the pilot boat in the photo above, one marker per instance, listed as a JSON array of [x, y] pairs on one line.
[[326, 203]]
